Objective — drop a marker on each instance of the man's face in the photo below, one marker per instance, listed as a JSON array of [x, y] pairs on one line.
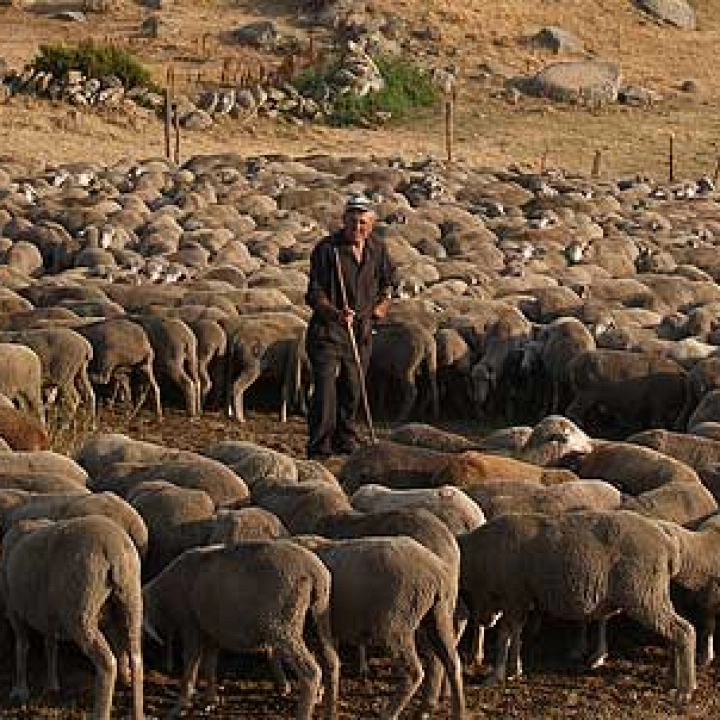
[[358, 225]]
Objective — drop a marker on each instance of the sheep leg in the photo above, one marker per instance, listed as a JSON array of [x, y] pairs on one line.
[[404, 650], [147, 369], [509, 628], [237, 402], [442, 637], [209, 672], [87, 394], [96, 648], [280, 681], [329, 661], [706, 646], [409, 394], [307, 671], [515, 669], [51, 655], [192, 655], [69, 403], [599, 656], [20, 692], [681, 634]]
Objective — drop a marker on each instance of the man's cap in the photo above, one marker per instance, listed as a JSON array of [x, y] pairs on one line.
[[359, 203]]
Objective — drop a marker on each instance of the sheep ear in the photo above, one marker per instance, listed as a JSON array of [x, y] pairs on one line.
[[151, 632]]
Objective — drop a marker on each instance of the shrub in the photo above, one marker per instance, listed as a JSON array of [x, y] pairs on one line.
[[94, 60], [407, 87]]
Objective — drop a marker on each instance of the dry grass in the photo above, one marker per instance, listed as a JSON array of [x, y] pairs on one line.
[[489, 131]]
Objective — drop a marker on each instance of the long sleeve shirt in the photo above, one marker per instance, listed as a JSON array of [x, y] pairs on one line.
[[367, 283]]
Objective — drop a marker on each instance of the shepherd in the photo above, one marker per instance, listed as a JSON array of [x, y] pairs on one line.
[[349, 288]]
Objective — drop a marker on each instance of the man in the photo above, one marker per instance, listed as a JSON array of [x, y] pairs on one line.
[[339, 304]]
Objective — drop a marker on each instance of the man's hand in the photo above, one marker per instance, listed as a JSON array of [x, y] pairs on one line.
[[346, 316], [380, 311]]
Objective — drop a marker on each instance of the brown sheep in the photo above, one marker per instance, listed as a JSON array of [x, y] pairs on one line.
[[21, 432]]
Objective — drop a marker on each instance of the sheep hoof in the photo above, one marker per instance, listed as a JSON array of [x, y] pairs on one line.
[[597, 661]]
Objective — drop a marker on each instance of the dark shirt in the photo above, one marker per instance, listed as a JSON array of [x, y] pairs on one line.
[[367, 283]]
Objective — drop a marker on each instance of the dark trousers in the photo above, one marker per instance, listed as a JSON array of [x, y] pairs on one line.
[[336, 395]]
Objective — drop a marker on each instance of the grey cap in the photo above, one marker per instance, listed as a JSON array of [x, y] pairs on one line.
[[359, 203]]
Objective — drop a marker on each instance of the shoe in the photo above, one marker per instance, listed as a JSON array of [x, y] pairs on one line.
[[346, 447]]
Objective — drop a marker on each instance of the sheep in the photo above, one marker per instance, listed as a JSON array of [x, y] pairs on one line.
[[44, 463], [268, 589], [553, 439], [700, 453], [384, 591], [708, 410], [399, 351], [403, 466], [574, 496], [65, 356], [681, 502], [117, 463], [633, 468], [700, 574], [21, 379], [454, 507], [253, 462], [21, 432], [431, 437], [121, 347], [175, 356], [573, 567], [19, 505], [80, 568], [506, 440]]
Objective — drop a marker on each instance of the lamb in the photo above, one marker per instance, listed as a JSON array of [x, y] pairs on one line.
[[573, 567], [430, 437], [450, 504], [80, 568], [254, 463], [552, 440], [268, 591], [385, 590]]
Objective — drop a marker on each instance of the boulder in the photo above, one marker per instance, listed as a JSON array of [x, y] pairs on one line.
[[585, 82], [557, 40], [674, 12]]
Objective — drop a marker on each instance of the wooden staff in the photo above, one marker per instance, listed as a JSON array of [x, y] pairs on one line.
[[356, 354]]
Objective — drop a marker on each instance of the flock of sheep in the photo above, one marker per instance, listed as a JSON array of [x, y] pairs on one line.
[[580, 315]]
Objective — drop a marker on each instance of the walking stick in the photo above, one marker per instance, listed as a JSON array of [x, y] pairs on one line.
[[356, 354]]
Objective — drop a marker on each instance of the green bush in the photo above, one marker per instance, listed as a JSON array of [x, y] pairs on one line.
[[94, 60], [407, 87]]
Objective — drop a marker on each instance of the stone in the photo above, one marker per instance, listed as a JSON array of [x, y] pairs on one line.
[[261, 34], [196, 120], [70, 16], [674, 12], [638, 96], [584, 82], [557, 40]]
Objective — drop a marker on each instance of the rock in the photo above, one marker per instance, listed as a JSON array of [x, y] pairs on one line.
[[208, 101], [153, 27], [557, 40], [689, 86], [638, 96], [245, 100], [196, 120], [586, 82], [261, 34], [674, 12], [70, 16]]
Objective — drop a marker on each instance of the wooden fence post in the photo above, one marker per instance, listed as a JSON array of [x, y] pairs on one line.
[[597, 163], [169, 83], [671, 158]]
